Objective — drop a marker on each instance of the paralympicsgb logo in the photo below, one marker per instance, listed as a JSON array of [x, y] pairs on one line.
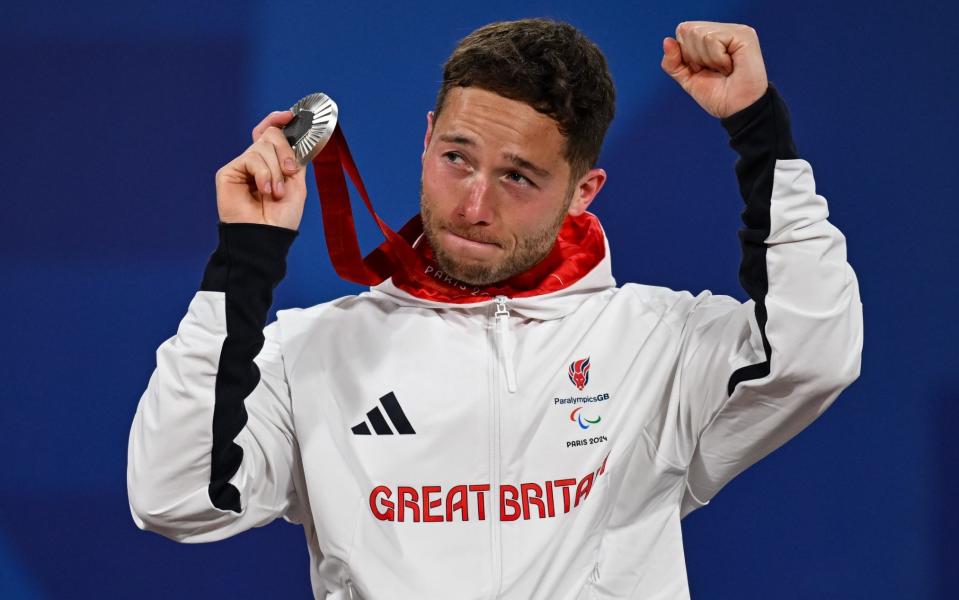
[[579, 373]]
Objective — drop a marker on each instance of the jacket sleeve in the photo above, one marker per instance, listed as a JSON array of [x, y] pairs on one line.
[[752, 375], [211, 450]]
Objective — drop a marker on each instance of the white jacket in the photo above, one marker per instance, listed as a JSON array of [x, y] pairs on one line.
[[539, 446]]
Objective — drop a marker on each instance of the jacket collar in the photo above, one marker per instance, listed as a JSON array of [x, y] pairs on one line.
[[577, 266]]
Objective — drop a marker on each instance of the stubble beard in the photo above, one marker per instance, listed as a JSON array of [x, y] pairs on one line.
[[529, 251]]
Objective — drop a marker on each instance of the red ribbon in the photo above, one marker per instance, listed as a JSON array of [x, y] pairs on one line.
[[340, 228]]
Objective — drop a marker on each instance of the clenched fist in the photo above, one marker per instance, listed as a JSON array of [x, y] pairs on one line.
[[719, 64], [265, 184]]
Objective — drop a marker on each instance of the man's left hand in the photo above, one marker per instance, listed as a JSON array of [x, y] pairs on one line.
[[719, 64]]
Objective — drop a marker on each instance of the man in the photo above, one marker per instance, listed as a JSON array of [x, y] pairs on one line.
[[521, 427]]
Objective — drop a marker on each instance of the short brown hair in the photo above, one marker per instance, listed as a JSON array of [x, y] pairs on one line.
[[547, 64]]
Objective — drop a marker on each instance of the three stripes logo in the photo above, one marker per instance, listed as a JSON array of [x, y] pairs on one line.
[[395, 414]]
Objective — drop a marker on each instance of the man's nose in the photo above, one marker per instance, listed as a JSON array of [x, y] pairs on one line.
[[477, 206]]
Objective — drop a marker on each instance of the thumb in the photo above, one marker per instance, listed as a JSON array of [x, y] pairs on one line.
[[672, 61]]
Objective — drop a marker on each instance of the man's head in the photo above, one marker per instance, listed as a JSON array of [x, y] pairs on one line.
[[511, 147]]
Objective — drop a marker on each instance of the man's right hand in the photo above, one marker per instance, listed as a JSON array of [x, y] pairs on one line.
[[265, 184]]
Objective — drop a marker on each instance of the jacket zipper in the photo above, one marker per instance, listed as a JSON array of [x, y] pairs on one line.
[[505, 341], [503, 356]]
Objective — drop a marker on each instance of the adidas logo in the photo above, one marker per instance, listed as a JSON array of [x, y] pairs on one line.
[[396, 416]]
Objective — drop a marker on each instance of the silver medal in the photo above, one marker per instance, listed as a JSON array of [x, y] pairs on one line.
[[312, 126]]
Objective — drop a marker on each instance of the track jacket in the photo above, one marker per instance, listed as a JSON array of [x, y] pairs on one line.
[[540, 440]]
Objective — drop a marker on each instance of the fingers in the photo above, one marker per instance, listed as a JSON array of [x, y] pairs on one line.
[[267, 161], [256, 167], [690, 55], [269, 164], [277, 118], [706, 45], [273, 153], [286, 158]]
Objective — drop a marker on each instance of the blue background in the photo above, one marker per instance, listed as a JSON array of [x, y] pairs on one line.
[[117, 115]]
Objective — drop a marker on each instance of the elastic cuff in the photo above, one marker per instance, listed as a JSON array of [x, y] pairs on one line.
[[762, 127], [735, 122], [248, 254]]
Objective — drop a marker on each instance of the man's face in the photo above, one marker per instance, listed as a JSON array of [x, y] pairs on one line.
[[495, 186]]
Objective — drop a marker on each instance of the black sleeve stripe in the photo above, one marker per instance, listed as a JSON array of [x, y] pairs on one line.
[[761, 135], [248, 263]]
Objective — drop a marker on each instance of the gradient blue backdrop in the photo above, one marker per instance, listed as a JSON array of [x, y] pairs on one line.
[[116, 116]]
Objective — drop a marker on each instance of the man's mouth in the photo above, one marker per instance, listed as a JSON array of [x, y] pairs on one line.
[[469, 244], [474, 239]]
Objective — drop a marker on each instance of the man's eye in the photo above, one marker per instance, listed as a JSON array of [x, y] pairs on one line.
[[518, 178], [453, 157]]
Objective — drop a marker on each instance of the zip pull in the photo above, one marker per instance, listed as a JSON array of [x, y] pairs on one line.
[[505, 340]]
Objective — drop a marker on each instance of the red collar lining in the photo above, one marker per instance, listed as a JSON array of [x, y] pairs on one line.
[[580, 246]]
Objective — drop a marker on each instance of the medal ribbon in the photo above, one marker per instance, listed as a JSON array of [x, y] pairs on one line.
[[393, 255]]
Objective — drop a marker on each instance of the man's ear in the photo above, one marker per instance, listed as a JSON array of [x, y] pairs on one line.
[[586, 189], [429, 133]]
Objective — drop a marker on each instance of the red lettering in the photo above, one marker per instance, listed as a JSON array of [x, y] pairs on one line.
[[551, 510], [460, 503], [407, 498], [565, 484], [512, 503], [384, 515], [428, 517], [480, 499], [582, 490], [532, 494], [526, 500]]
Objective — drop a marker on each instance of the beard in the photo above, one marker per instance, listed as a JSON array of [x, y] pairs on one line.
[[528, 251]]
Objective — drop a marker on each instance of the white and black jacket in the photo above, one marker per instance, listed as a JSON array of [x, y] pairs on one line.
[[543, 444]]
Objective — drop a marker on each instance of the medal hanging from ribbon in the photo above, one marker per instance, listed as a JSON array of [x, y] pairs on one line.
[[316, 137]]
